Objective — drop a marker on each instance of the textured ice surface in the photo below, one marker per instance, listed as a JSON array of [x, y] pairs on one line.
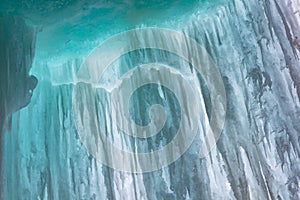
[[17, 43], [255, 45]]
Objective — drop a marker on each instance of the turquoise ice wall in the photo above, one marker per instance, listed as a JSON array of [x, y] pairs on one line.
[[255, 45]]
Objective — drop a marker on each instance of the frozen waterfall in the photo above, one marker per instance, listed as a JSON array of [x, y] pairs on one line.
[[50, 146]]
